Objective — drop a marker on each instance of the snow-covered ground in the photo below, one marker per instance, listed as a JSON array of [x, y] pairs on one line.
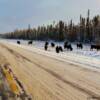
[[84, 58], [76, 72], [85, 51]]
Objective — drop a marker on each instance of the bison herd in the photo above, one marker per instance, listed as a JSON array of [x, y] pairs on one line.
[[29, 42], [66, 46], [58, 49]]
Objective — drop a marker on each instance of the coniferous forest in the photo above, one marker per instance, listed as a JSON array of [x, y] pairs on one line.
[[86, 31]]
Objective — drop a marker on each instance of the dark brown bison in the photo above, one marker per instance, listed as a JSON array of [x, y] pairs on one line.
[[30, 42], [52, 45], [65, 45], [46, 43], [97, 47], [68, 47], [79, 46], [57, 49], [60, 49], [46, 46], [18, 42]]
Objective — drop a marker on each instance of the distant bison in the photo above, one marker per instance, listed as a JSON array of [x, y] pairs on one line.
[[97, 47], [30, 42], [18, 42], [46, 45], [60, 49], [68, 47], [57, 49], [52, 44], [65, 45], [79, 46]]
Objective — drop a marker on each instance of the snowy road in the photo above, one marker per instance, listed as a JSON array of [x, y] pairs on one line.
[[51, 76], [69, 57]]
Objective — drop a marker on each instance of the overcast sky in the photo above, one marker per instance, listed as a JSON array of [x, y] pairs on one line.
[[17, 14]]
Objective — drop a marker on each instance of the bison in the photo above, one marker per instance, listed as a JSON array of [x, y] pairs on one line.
[[65, 45], [57, 49], [46, 43], [97, 47], [79, 46], [52, 45], [18, 42], [30, 42], [68, 47], [60, 49], [46, 46]]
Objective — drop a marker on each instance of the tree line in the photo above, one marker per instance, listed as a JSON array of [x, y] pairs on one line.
[[87, 31]]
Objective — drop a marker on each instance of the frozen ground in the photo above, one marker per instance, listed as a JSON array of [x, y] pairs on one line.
[[86, 50], [85, 57], [51, 76]]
